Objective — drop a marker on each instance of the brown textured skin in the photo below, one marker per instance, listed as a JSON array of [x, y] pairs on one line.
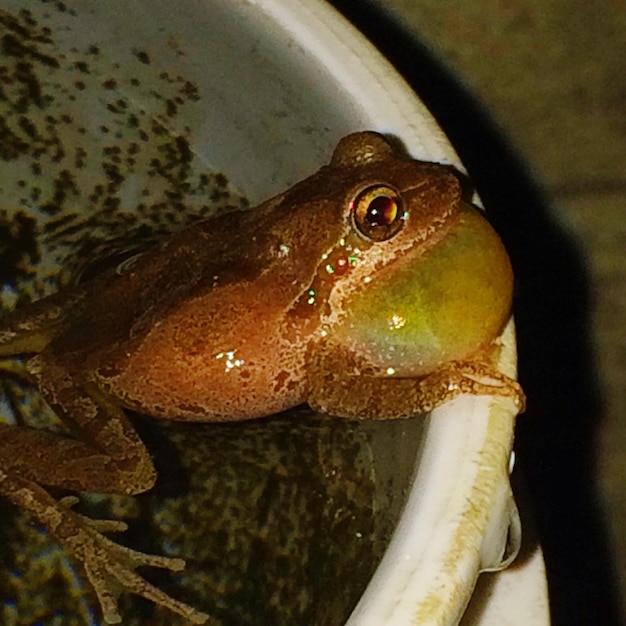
[[233, 318]]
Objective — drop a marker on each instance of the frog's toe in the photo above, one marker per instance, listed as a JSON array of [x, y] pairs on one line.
[[98, 525], [497, 384], [110, 567], [111, 570]]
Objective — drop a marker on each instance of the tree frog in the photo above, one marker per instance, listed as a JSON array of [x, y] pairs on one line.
[[371, 289]]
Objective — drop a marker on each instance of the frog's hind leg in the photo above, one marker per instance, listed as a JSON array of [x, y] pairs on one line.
[[106, 456], [30, 328], [105, 453], [110, 567]]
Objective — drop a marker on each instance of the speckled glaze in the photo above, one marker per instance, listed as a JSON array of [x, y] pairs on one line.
[[92, 150]]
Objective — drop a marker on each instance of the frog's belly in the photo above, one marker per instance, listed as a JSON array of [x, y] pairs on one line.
[[211, 381]]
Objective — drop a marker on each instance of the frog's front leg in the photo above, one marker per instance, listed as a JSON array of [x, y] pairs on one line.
[[340, 385], [109, 457]]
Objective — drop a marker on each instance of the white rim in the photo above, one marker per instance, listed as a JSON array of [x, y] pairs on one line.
[[430, 567]]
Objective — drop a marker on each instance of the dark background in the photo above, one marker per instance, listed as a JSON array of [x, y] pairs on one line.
[[532, 94]]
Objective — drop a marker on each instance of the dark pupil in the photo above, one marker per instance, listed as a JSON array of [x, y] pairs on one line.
[[381, 211]]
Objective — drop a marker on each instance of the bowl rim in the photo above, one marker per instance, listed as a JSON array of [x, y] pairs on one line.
[[442, 540]]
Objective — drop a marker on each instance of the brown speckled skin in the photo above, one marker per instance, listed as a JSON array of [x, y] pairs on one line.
[[150, 333], [232, 318]]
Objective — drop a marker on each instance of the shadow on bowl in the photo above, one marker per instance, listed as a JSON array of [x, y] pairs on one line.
[[556, 438]]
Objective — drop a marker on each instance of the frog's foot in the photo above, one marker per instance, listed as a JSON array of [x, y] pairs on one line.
[[473, 378], [481, 379], [111, 567]]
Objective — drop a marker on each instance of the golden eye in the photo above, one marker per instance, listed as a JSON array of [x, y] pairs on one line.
[[377, 212]]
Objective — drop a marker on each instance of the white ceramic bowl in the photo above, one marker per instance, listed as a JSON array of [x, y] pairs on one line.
[[280, 81]]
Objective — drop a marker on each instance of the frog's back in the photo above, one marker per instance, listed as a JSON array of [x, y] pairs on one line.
[[198, 328]]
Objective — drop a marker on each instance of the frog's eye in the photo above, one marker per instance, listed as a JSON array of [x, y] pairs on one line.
[[377, 212]]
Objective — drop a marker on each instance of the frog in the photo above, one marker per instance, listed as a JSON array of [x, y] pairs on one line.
[[372, 289]]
